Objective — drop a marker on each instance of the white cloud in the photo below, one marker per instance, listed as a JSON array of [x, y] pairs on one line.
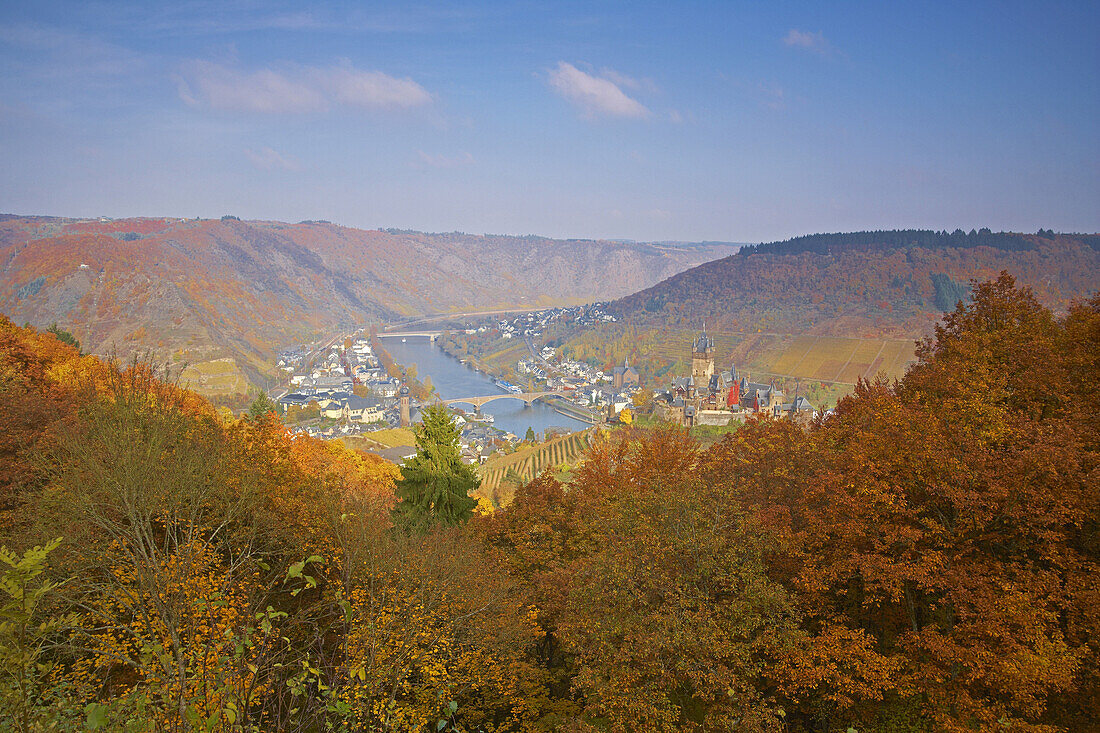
[[295, 89], [208, 84], [356, 88], [594, 95], [444, 161], [814, 42], [268, 159], [645, 85]]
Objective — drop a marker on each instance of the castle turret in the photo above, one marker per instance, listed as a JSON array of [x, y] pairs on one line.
[[702, 357]]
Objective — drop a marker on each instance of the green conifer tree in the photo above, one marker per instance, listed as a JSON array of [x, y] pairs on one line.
[[435, 484], [261, 406], [64, 336]]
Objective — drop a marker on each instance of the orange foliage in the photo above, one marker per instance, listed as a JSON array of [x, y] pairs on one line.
[[923, 559]]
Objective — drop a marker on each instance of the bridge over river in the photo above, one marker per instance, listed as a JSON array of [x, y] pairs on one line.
[[479, 402], [433, 335], [458, 385]]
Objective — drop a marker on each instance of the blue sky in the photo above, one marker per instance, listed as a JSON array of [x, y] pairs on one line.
[[687, 121]]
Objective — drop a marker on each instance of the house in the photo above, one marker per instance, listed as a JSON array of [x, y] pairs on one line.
[[363, 409], [616, 403], [397, 455], [670, 407], [294, 399], [799, 409]]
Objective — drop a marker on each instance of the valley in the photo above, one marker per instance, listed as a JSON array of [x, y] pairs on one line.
[[771, 407], [196, 290]]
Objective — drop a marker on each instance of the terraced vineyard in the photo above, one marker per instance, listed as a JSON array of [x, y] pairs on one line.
[[526, 463], [215, 378], [506, 357]]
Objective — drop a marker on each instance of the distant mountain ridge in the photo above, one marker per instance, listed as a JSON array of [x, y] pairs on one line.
[[245, 288], [882, 283]]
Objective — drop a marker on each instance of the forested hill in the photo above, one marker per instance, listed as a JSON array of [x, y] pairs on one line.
[[882, 283], [923, 560], [245, 288], [884, 240]]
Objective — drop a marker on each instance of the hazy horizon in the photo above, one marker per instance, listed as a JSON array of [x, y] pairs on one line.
[[498, 234]]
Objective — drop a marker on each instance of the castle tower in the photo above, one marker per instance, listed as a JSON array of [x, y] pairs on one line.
[[702, 358], [403, 402]]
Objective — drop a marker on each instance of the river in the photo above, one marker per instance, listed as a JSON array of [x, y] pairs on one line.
[[454, 379]]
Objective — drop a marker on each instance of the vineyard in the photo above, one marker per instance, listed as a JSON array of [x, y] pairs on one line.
[[825, 359], [215, 378], [499, 472], [502, 360]]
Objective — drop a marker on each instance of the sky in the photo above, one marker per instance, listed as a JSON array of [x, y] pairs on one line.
[[685, 121]]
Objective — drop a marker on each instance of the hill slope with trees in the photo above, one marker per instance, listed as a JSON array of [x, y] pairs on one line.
[[244, 289], [865, 284], [925, 559]]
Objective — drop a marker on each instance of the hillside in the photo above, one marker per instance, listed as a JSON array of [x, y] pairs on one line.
[[923, 560], [863, 284], [817, 313], [205, 289]]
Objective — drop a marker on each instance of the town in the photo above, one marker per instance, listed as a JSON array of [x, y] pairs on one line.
[[344, 391], [349, 387]]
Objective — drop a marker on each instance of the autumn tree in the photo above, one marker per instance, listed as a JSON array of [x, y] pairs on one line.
[[925, 559], [33, 406], [947, 517], [652, 591], [29, 698], [435, 486], [156, 532]]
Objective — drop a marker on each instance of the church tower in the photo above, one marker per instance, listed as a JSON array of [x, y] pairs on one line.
[[403, 402], [702, 358]]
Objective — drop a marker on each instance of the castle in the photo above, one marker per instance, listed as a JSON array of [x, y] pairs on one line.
[[707, 397]]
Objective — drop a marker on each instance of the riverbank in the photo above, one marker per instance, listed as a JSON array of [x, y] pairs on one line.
[[570, 409], [419, 390], [455, 380]]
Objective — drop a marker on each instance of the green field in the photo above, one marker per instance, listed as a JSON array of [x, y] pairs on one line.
[[819, 358], [392, 437]]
